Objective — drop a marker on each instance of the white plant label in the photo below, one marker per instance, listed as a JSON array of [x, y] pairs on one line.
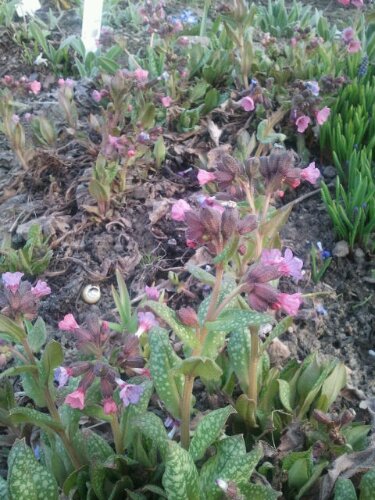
[[91, 24], [27, 7]]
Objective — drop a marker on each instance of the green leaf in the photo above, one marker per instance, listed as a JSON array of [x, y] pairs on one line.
[[246, 408], [162, 360], [284, 394], [367, 486], [53, 356], [315, 390], [199, 366], [208, 431], [97, 448], [259, 492], [344, 489], [267, 135], [230, 463], [147, 117], [27, 479], [186, 334], [153, 428], [3, 489], [29, 415], [17, 370], [10, 327], [235, 319], [180, 479], [201, 275], [160, 151], [279, 329], [331, 387], [37, 335]]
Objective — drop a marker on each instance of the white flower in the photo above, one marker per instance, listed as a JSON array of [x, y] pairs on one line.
[[41, 60]]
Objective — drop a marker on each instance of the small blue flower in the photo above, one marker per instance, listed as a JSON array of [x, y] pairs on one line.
[[326, 254], [313, 86], [36, 450], [321, 310]]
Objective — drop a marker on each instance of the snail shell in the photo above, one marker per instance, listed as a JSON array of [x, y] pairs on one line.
[[91, 294]]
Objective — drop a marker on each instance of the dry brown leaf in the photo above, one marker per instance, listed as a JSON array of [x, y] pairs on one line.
[[160, 208], [214, 131]]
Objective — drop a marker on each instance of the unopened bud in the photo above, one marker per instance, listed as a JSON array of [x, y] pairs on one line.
[[347, 416], [188, 316], [322, 417]]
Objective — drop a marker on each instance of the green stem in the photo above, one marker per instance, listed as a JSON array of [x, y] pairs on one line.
[[202, 31], [252, 391], [227, 300], [189, 379], [117, 434], [185, 411]]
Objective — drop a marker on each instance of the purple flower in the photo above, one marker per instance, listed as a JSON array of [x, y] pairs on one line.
[[129, 393], [12, 281], [146, 321], [61, 375], [313, 86], [152, 292], [40, 289]]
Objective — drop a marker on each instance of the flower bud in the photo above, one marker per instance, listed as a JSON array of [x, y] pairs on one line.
[[188, 316]]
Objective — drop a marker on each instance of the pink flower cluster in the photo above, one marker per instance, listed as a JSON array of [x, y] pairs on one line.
[[356, 3], [33, 86], [303, 121], [353, 45]]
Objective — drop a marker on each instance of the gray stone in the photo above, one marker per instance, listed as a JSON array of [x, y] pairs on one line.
[[341, 249]]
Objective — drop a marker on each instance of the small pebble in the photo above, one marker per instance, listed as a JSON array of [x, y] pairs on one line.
[[341, 249]]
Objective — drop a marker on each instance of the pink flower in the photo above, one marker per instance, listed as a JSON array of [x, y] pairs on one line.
[[15, 119], [293, 41], [357, 3], [146, 321], [348, 35], [109, 406], [210, 202], [191, 244], [61, 375], [61, 82], [177, 26], [302, 123], [69, 324], [166, 101], [27, 116], [322, 115], [12, 281], [247, 103], [289, 303], [152, 293], [40, 289], [344, 2], [131, 153], [179, 210], [205, 177], [354, 46], [129, 393], [184, 41], [311, 173], [287, 265], [35, 87], [69, 83], [76, 399], [113, 141], [141, 75], [96, 95]]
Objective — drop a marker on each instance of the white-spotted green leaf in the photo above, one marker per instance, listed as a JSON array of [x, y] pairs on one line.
[[163, 360], [199, 366], [97, 449], [259, 492], [284, 394], [31, 416], [367, 486], [235, 319], [185, 333], [180, 479], [201, 275], [152, 427], [28, 479], [3, 489], [239, 347], [36, 334], [230, 463], [208, 430], [344, 489]]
